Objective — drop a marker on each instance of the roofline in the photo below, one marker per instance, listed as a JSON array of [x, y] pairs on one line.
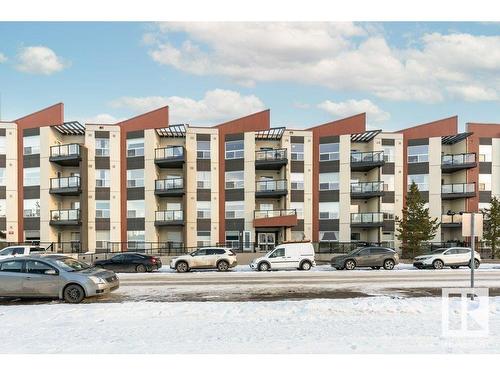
[[241, 118], [39, 111], [483, 123], [142, 114], [427, 124], [338, 120]]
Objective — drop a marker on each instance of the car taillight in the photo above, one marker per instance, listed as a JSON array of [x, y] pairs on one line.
[[153, 260]]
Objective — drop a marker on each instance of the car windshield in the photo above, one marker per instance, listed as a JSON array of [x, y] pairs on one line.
[[70, 264]]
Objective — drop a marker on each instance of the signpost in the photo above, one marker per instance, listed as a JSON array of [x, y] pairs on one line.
[[472, 226]]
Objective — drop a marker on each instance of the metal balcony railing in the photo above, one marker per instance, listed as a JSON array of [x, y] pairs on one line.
[[71, 149], [65, 182], [265, 214], [451, 219], [271, 155], [458, 159], [169, 215], [367, 218], [367, 157], [169, 184], [367, 187], [171, 152], [270, 186], [463, 188], [65, 215]]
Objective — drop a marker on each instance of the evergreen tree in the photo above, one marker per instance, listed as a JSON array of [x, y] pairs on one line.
[[415, 226], [491, 226]]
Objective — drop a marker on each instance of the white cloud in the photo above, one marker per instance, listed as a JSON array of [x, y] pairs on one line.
[[341, 56], [353, 107], [3, 58], [103, 118], [216, 106], [39, 60]]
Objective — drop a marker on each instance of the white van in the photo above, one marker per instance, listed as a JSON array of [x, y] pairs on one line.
[[298, 255]]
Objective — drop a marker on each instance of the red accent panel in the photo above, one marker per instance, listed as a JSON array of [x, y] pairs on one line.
[[279, 221]]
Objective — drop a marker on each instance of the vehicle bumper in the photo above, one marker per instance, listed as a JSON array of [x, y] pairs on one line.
[[253, 266], [420, 264], [103, 289], [233, 264]]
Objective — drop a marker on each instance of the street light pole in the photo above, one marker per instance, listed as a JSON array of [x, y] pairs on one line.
[[472, 246]]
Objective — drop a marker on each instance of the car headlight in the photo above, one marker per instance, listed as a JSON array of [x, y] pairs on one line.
[[97, 280]]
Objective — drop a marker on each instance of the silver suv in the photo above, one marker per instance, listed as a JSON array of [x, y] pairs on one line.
[[453, 257], [54, 276], [220, 258]]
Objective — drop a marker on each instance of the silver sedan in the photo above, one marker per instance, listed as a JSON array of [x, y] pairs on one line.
[[54, 276]]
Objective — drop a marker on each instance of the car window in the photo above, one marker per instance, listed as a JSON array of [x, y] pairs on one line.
[[463, 251], [378, 250], [200, 252], [6, 252], [220, 251], [18, 251], [118, 258], [364, 252], [12, 266], [37, 267], [451, 252], [280, 252]]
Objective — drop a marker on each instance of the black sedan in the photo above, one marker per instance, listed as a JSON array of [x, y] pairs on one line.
[[130, 262]]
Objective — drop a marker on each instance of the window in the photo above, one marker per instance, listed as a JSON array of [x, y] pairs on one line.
[[12, 266], [278, 253], [388, 210], [31, 145], [484, 182], [135, 209], [203, 179], [135, 147], [102, 147], [37, 267], [328, 236], [329, 181], [297, 181], [31, 176], [485, 153], [102, 177], [388, 180], [328, 151], [102, 209], [102, 237], [135, 178], [235, 150], [203, 209], [3, 140], [203, 149], [135, 239], [31, 208], [418, 154], [299, 207], [420, 179], [2, 177], [297, 151], [202, 238], [484, 206], [235, 180], [235, 210], [328, 210], [233, 238], [388, 154], [3, 207]]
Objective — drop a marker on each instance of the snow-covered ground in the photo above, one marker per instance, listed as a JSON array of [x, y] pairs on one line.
[[357, 325]]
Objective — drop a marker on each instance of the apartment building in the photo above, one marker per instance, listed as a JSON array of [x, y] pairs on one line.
[[144, 183]]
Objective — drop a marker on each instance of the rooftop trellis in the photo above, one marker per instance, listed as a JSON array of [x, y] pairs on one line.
[[365, 136], [273, 134], [455, 138], [70, 128], [172, 131]]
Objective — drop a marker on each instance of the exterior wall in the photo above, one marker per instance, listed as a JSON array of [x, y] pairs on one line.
[[11, 182]]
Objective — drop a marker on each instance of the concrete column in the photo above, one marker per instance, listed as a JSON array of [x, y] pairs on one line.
[[249, 169], [11, 188], [214, 188], [495, 167], [345, 189], [435, 181], [308, 185], [150, 138], [190, 187]]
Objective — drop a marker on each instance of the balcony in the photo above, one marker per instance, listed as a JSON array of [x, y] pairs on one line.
[[65, 185], [174, 218], [169, 157], [270, 159], [66, 155], [362, 190], [271, 189], [65, 217], [172, 187], [451, 221], [456, 162], [274, 218], [457, 191], [367, 220], [365, 161]]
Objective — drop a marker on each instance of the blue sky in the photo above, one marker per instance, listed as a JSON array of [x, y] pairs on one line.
[[402, 74]]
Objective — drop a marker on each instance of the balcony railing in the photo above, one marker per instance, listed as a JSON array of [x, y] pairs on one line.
[[451, 220], [169, 215], [172, 152], [271, 155], [72, 149], [367, 157], [367, 218], [458, 159], [367, 187], [266, 214], [463, 188], [72, 182], [61, 216], [271, 186], [169, 184]]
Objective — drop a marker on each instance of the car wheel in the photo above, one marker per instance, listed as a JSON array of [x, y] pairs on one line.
[[350, 265], [140, 268], [476, 264], [305, 266], [73, 294], [222, 266], [376, 268], [389, 264], [182, 267], [438, 264], [263, 266]]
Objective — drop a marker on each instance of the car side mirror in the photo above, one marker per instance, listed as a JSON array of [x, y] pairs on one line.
[[51, 272]]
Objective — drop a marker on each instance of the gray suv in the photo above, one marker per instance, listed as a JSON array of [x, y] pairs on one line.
[[54, 276], [371, 256]]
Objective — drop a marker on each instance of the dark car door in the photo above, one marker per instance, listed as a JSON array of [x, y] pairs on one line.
[[131, 261], [377, 256], [115, 263], [363, 257]]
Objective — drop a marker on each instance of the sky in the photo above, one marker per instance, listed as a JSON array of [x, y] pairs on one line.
[[400, 74]]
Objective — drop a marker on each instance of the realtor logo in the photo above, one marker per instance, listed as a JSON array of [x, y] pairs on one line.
[[463, 316]]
